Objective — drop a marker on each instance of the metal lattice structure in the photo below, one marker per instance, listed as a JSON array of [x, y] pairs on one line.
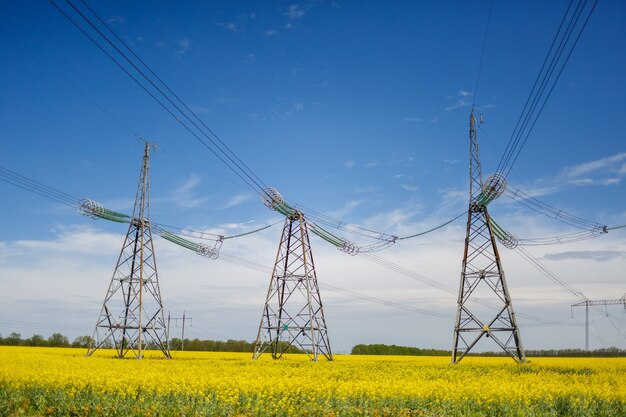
[[605, 303], [131, 318], [482, 273], [293, 315]]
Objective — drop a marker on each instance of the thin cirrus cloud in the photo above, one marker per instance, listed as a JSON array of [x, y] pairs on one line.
[[608, 163], [408, 187], [346, 209], [185, 195], [184, 46], [237, 200], [116, 19], [295, 12], [606, 171], [597, 255], [230, 26]]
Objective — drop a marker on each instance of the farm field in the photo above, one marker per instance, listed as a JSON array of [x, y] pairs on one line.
[[63, 382]]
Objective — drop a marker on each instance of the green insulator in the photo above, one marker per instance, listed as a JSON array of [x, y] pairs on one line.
[[284, 209], [327, 236], [179, 241], [117, 219]]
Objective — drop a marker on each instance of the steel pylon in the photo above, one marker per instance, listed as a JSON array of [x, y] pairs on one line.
[[482, 273], [293, 314], [131, 318]]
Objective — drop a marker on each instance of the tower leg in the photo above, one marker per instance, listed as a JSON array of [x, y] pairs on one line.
[[482, 275], [293, 315], [132, 318]]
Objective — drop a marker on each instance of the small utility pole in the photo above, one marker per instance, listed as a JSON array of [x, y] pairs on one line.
[[604, 303], [184, 318]]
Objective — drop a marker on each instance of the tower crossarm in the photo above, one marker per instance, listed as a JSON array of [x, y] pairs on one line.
[[601, 302]]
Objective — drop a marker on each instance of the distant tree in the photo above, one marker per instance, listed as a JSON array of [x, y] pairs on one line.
[[83, 342], [13, 339], [175, 343], [36, 340], [380, 349], [58, 340]]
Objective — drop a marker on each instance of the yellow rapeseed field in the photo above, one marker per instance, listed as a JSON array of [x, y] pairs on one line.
[[49, 381]]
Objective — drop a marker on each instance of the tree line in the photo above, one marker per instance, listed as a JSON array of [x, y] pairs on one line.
[[55, 340], [59, 340], [380, 349]]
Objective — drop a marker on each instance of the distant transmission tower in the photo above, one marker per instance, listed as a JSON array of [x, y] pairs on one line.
[[293, 313], [604, 303], [131, 318], [482, 273]]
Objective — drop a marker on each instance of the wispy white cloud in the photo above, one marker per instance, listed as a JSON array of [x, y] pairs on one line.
[[269, 33], [248, 58], [372, 164], [199, 109], [411, 188], [230, 26], [452, 196], [226, 99], [459, 104], [597, 255], [185, 195], [462, 100], [295, 12], [346, 209], [236, 200], [367, 190], [184, 46], [395, 219], [349, 164], [450, 161], [608, 162], [413, 119], [604, 172], [116, 20]]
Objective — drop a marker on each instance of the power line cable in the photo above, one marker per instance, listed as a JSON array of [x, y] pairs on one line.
[[174, 94], [254, 187], [551, 90], [513, 139], [553, 277], [234, 162], [482, 53], [37, 187], [537, 97]]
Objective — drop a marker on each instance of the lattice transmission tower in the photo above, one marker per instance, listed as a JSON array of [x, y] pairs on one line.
[[482, 274], [293, 314], [588, 303], [131, 318]]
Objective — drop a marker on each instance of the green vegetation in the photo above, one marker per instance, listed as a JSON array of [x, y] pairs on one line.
[[380, 349]]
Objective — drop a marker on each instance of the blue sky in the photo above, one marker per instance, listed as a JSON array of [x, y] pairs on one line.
[[357, 110]]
